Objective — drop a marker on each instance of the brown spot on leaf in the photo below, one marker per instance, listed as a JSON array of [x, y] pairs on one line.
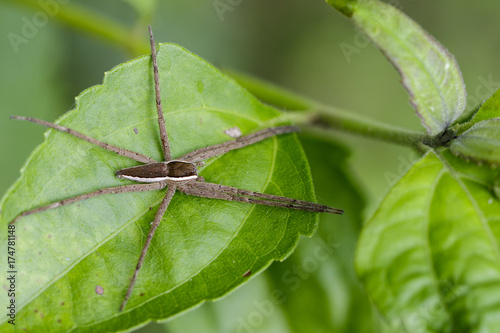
[[142, 294]]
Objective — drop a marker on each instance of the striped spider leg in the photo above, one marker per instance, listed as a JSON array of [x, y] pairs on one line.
[[176, 174]]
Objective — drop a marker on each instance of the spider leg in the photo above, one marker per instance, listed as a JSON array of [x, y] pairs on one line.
[[109, 190], [159, 215], [258, 195], [120, 151], [211, 151], [216, 191], [159, 108]]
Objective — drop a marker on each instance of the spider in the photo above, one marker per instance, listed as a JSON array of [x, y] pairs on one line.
[[176, 174]]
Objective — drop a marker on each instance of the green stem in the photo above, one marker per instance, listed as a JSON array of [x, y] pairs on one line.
[[311, 112], [90, 22], [305, 111], [353, 123]]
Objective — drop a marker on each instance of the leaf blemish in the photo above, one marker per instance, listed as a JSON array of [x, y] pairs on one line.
[[200, 86], [99, 290], [233, 132]]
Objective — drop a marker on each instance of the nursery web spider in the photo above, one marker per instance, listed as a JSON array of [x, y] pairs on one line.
[[177, 174]]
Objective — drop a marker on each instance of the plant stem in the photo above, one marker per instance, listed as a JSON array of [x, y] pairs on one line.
[[311, 112], [353, 123], [305, 111], [90, 22]]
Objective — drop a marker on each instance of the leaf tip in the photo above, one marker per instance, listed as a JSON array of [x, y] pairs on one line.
[[343, 6]]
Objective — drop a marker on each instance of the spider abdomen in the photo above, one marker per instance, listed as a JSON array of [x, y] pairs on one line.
[[174, 171]]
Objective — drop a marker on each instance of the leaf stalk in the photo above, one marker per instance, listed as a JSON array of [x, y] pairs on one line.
[[307, 112]]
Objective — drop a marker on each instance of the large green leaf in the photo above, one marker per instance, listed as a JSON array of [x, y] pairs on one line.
[[202, 248], [429, 256], [429, 72], [315, 289]]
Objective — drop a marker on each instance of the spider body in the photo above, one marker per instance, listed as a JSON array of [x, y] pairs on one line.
[[177, 174], [174, 171]]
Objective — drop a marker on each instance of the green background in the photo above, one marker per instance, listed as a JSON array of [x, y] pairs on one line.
[[293, 43]]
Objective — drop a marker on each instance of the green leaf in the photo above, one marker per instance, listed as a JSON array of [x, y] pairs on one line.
[[202, 248], [319, 282], [479, 138], [490, 109], [480, 143], [429, 72], [343, 6], [429, 256], [315, 289]]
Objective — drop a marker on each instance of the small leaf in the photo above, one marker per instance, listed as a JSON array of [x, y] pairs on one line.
[[429, 72], [490, 109], [479, 138], [202, 248], [480, 143], [430, 255]]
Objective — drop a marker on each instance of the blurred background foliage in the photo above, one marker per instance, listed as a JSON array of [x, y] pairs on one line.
[[295, 44]]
